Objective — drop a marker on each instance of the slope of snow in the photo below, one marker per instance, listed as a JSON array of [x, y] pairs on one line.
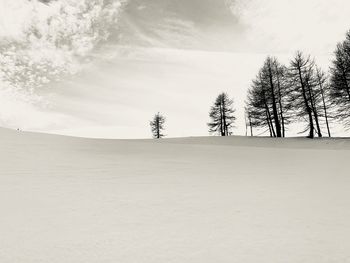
[[235, 199]]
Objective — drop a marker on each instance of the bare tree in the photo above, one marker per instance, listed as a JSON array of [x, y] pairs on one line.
[[282, 95], [268, 70], [340, 80], [257, 106], [267, 103], [304, 95], [323, 84], [222, 115], [157, 126]]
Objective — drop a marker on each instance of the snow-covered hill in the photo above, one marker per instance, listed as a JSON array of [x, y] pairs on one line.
[[209, 199]]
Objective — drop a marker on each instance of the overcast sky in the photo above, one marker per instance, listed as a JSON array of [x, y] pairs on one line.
[[62, 73]]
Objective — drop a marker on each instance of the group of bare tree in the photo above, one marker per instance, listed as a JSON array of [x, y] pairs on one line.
[[340, 81], [280, 95], [222, 116], [266, 104], [301, 91]]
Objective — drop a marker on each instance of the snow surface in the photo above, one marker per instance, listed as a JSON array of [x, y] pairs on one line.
[[206, 199]]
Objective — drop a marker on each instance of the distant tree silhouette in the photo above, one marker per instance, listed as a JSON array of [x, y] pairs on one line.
[[157, 126], [222, 115], [340, 80]]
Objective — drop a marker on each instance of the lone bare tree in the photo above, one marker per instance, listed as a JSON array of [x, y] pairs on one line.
[[222, 115], [157, 126]]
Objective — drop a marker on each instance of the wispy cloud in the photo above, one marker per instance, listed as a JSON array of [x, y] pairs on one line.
[[40, 43], [284, 25]]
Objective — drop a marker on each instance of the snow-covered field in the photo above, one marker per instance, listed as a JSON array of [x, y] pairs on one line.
[[189, 200]]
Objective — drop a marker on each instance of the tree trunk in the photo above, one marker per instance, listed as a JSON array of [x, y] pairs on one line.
[[280, 103], [314, 109], [326, 117], [308, 109], [269, 119], [268, 123], [221, 122], [324, 106], [274, 105], [311, 134], [158, 128], [224, 118], [251, 127]]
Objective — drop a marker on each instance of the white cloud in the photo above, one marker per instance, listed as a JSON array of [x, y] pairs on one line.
[[41, 43], [284, 25]]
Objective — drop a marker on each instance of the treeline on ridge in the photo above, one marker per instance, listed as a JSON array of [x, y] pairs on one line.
[[281, 95], [301, 91]]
